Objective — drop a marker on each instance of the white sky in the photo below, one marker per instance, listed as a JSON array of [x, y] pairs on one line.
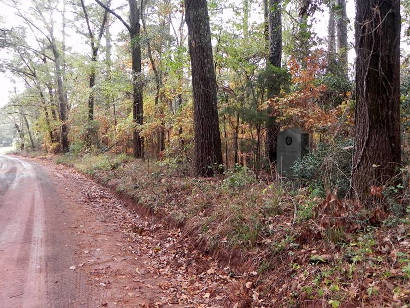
[[8, 19]]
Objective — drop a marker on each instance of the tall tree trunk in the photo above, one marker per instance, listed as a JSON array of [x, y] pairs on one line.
[[158, 80], [91, 85], [30, 135], [108, 47], [108, 61], [245, 20], [342, 47], [46, 115], [21, 135], [157, 76], [377, 134], [47, 119], [63, 47], [302, 41], [274, 58], [266, 25], [258, 148], [62, 99], [236, 140], [137, 108], [95, 43], [208, 151], [226, 143], [331, 30]]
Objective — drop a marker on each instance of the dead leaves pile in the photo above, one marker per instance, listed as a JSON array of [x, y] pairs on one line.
[[167, 270]]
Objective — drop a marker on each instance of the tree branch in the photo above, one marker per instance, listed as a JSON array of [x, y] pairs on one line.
[[87, 20], [103, 23], [115, 14]]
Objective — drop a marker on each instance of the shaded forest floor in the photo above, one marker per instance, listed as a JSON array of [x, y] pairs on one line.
[[284, 246]]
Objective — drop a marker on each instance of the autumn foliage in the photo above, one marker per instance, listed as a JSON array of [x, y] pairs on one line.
[[305, 105]]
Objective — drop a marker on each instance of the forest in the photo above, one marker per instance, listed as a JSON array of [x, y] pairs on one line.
[[178, 105]]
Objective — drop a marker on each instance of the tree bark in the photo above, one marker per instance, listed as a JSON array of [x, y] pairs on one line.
[[302, 42], [158, 78], [377, 153], [274, 58], [342, 47], [21, 135], [62, 99], [91, 86], [137, 108], [245, 20], [108, 62], [30, 135], [331, 45], [208, 153], [236, 140], [134, 31], [266, 25], [46, 115], [95, 43], [108, 47]]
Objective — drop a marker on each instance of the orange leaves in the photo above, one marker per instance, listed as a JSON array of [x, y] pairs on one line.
[[301, 107], [376, 191], [314, 66]]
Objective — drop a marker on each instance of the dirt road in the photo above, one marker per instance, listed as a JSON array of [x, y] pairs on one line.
[[35, 251], [65, 241]]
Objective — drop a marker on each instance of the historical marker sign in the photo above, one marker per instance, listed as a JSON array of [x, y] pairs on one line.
[[292, 144]]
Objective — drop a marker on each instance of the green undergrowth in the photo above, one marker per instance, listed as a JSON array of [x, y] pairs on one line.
[[300, 254]]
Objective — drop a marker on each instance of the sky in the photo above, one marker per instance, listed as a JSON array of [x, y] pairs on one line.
[[8, 19], [7, 85]]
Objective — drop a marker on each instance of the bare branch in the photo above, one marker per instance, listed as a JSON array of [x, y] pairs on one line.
[[115, 14]]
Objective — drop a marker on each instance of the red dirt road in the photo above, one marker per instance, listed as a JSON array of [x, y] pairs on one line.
[[35, 254], [65, 241]]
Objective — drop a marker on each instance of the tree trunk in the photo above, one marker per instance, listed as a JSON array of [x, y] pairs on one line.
[[30, 135], [331, 45], [266, 25], [108, 61], [63, 47], [236, 140], [137, 84], [245, 20], [158, 82], [137, 107], [95, 41], [108, 47], [342, 48], [274, 58], [208, 153], [226, 143], [258, 148], [157, 76], [92, 84], [46, 115], [62, 98], [303, 42], [21, 135], [377, 134]]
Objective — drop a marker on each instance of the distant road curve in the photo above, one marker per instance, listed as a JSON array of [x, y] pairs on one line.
[[5, 150]]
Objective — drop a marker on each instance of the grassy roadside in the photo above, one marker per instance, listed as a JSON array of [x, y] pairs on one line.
[[298, 249]]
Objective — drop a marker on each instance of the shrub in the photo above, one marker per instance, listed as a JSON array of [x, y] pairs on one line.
[[76, 147], [66, 159], [326, 168], [89, 133], [238, 177]]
